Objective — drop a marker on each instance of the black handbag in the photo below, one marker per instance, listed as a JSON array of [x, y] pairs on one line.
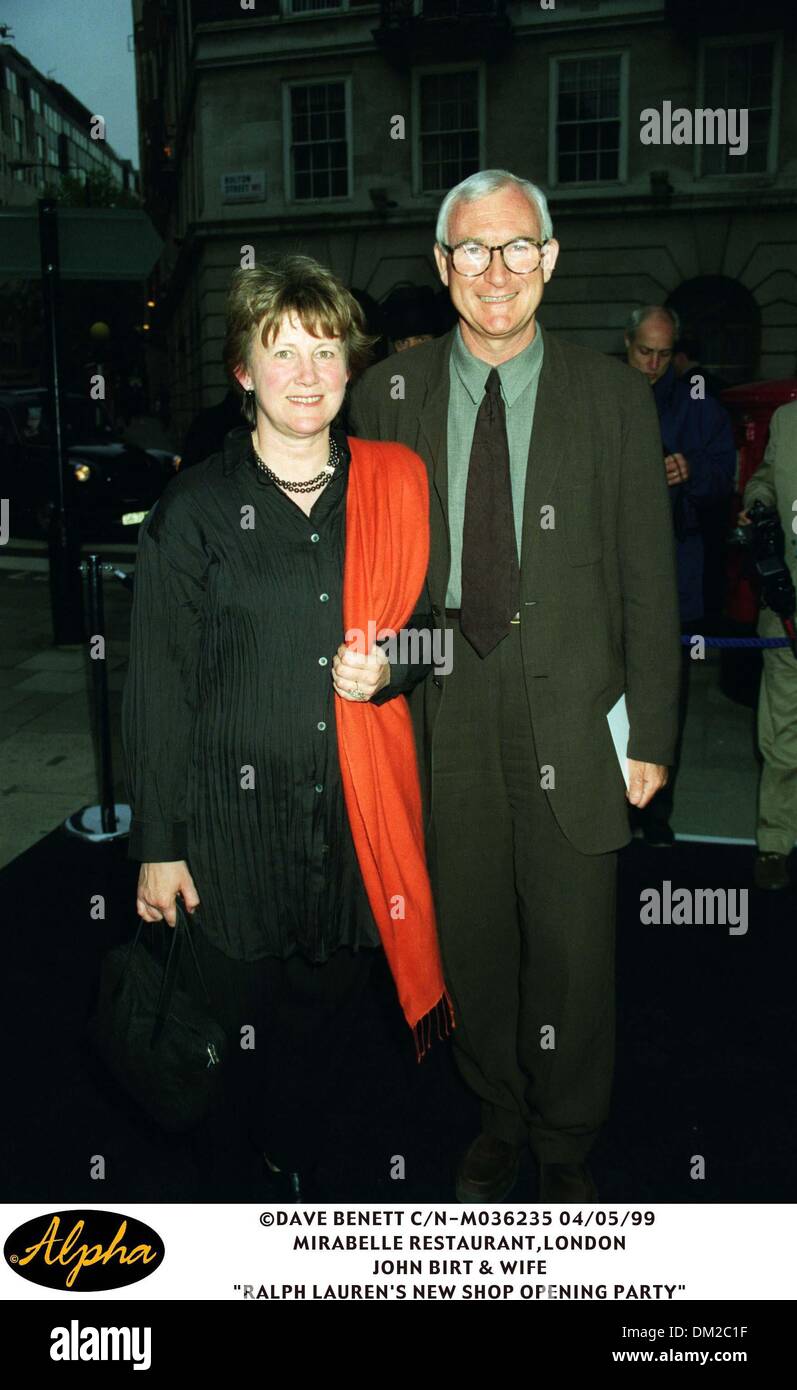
[[158, 1043]]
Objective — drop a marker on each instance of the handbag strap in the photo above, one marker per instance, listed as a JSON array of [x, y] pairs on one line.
[[189, 936], [122, 973], [181, 932], [169, 979]]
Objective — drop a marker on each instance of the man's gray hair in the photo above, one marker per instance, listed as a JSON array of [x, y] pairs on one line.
[[638, 316], [480, 186]]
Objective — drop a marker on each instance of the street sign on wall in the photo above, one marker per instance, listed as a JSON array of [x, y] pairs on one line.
[[246, 187]]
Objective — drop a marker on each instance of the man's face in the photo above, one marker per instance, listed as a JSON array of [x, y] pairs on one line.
[[651, 348], [496, 308]]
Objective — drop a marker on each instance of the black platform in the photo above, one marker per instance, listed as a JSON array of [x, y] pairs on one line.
[[705, 1057]]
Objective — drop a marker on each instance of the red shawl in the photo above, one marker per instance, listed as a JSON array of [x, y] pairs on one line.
[[387, 553]]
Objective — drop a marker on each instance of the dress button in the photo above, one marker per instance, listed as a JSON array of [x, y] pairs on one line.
[[315, 536], [321, 725], [319, 786], [322, 661], [324, 598]]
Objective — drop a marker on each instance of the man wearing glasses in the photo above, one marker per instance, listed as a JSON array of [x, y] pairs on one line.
[[552, 567]]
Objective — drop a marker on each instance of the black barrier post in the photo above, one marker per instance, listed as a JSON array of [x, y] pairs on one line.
[[100, 682], [63, 539], [109, 820]]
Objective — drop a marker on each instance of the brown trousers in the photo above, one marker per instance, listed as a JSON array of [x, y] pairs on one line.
[[527, 923]]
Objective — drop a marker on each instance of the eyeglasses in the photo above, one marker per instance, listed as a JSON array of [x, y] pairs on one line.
[[523, 255]]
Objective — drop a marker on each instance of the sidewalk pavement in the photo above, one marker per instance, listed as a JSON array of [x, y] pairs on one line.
[[47, 755], [47, 748]]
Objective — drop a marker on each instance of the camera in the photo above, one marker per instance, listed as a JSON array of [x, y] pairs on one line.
[[764, 542]]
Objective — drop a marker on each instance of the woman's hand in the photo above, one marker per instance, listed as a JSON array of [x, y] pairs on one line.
[[158, 886], [354, 672]]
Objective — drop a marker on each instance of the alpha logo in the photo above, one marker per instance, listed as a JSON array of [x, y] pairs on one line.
[[84, 1250], [76, 1343]]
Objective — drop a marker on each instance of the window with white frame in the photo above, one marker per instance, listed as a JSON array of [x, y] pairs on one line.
[[739, 76], [319, 145], [588, 119], [11, 81], [35, 100], [449, 128], [16, 130]]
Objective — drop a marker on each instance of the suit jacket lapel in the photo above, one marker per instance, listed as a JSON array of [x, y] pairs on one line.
[[551, 442], [433, 422], [432, 444]]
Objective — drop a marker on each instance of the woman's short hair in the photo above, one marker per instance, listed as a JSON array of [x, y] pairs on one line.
[[301, 288]]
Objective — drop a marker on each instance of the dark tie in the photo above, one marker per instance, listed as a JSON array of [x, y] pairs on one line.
[[490, 573]]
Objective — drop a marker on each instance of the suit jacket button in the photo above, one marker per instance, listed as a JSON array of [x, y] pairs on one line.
[[437, 681], [435, 611]]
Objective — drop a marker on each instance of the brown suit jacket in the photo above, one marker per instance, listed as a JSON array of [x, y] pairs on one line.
[[599, 604]]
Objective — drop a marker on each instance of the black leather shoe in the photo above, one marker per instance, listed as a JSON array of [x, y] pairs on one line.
[[658, 835], [771, 871], [285, 1186], [566, 1182], [489, 1170]]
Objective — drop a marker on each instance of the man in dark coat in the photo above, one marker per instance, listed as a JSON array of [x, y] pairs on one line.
[[699, 461], [687, 359], [550, 533], [210, 427]]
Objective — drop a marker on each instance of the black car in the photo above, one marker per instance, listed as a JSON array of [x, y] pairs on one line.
[[111, 485]]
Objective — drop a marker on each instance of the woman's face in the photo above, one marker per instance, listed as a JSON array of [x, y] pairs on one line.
[[299, 381]]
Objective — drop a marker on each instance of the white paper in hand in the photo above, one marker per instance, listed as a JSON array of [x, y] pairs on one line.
[[619, 730]]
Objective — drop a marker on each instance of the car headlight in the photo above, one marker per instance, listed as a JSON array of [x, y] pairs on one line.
[[176, 461], [81, 472]]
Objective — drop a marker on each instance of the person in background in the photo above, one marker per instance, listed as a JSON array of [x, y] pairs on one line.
[[775, 484], [699, 460], [714, 518], [373, 319], [409, 316], [687, 361], [208, 429]]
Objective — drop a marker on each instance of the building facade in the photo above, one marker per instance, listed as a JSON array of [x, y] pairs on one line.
[[45, 132], [335, 127]]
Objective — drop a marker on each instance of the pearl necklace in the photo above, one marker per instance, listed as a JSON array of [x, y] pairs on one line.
[[310, 484]]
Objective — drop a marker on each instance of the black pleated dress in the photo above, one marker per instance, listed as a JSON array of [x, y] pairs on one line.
[[228, 711]]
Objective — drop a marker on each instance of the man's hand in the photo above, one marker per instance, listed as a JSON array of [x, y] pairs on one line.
[[644, 780], [677, 469], [356, 676]]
